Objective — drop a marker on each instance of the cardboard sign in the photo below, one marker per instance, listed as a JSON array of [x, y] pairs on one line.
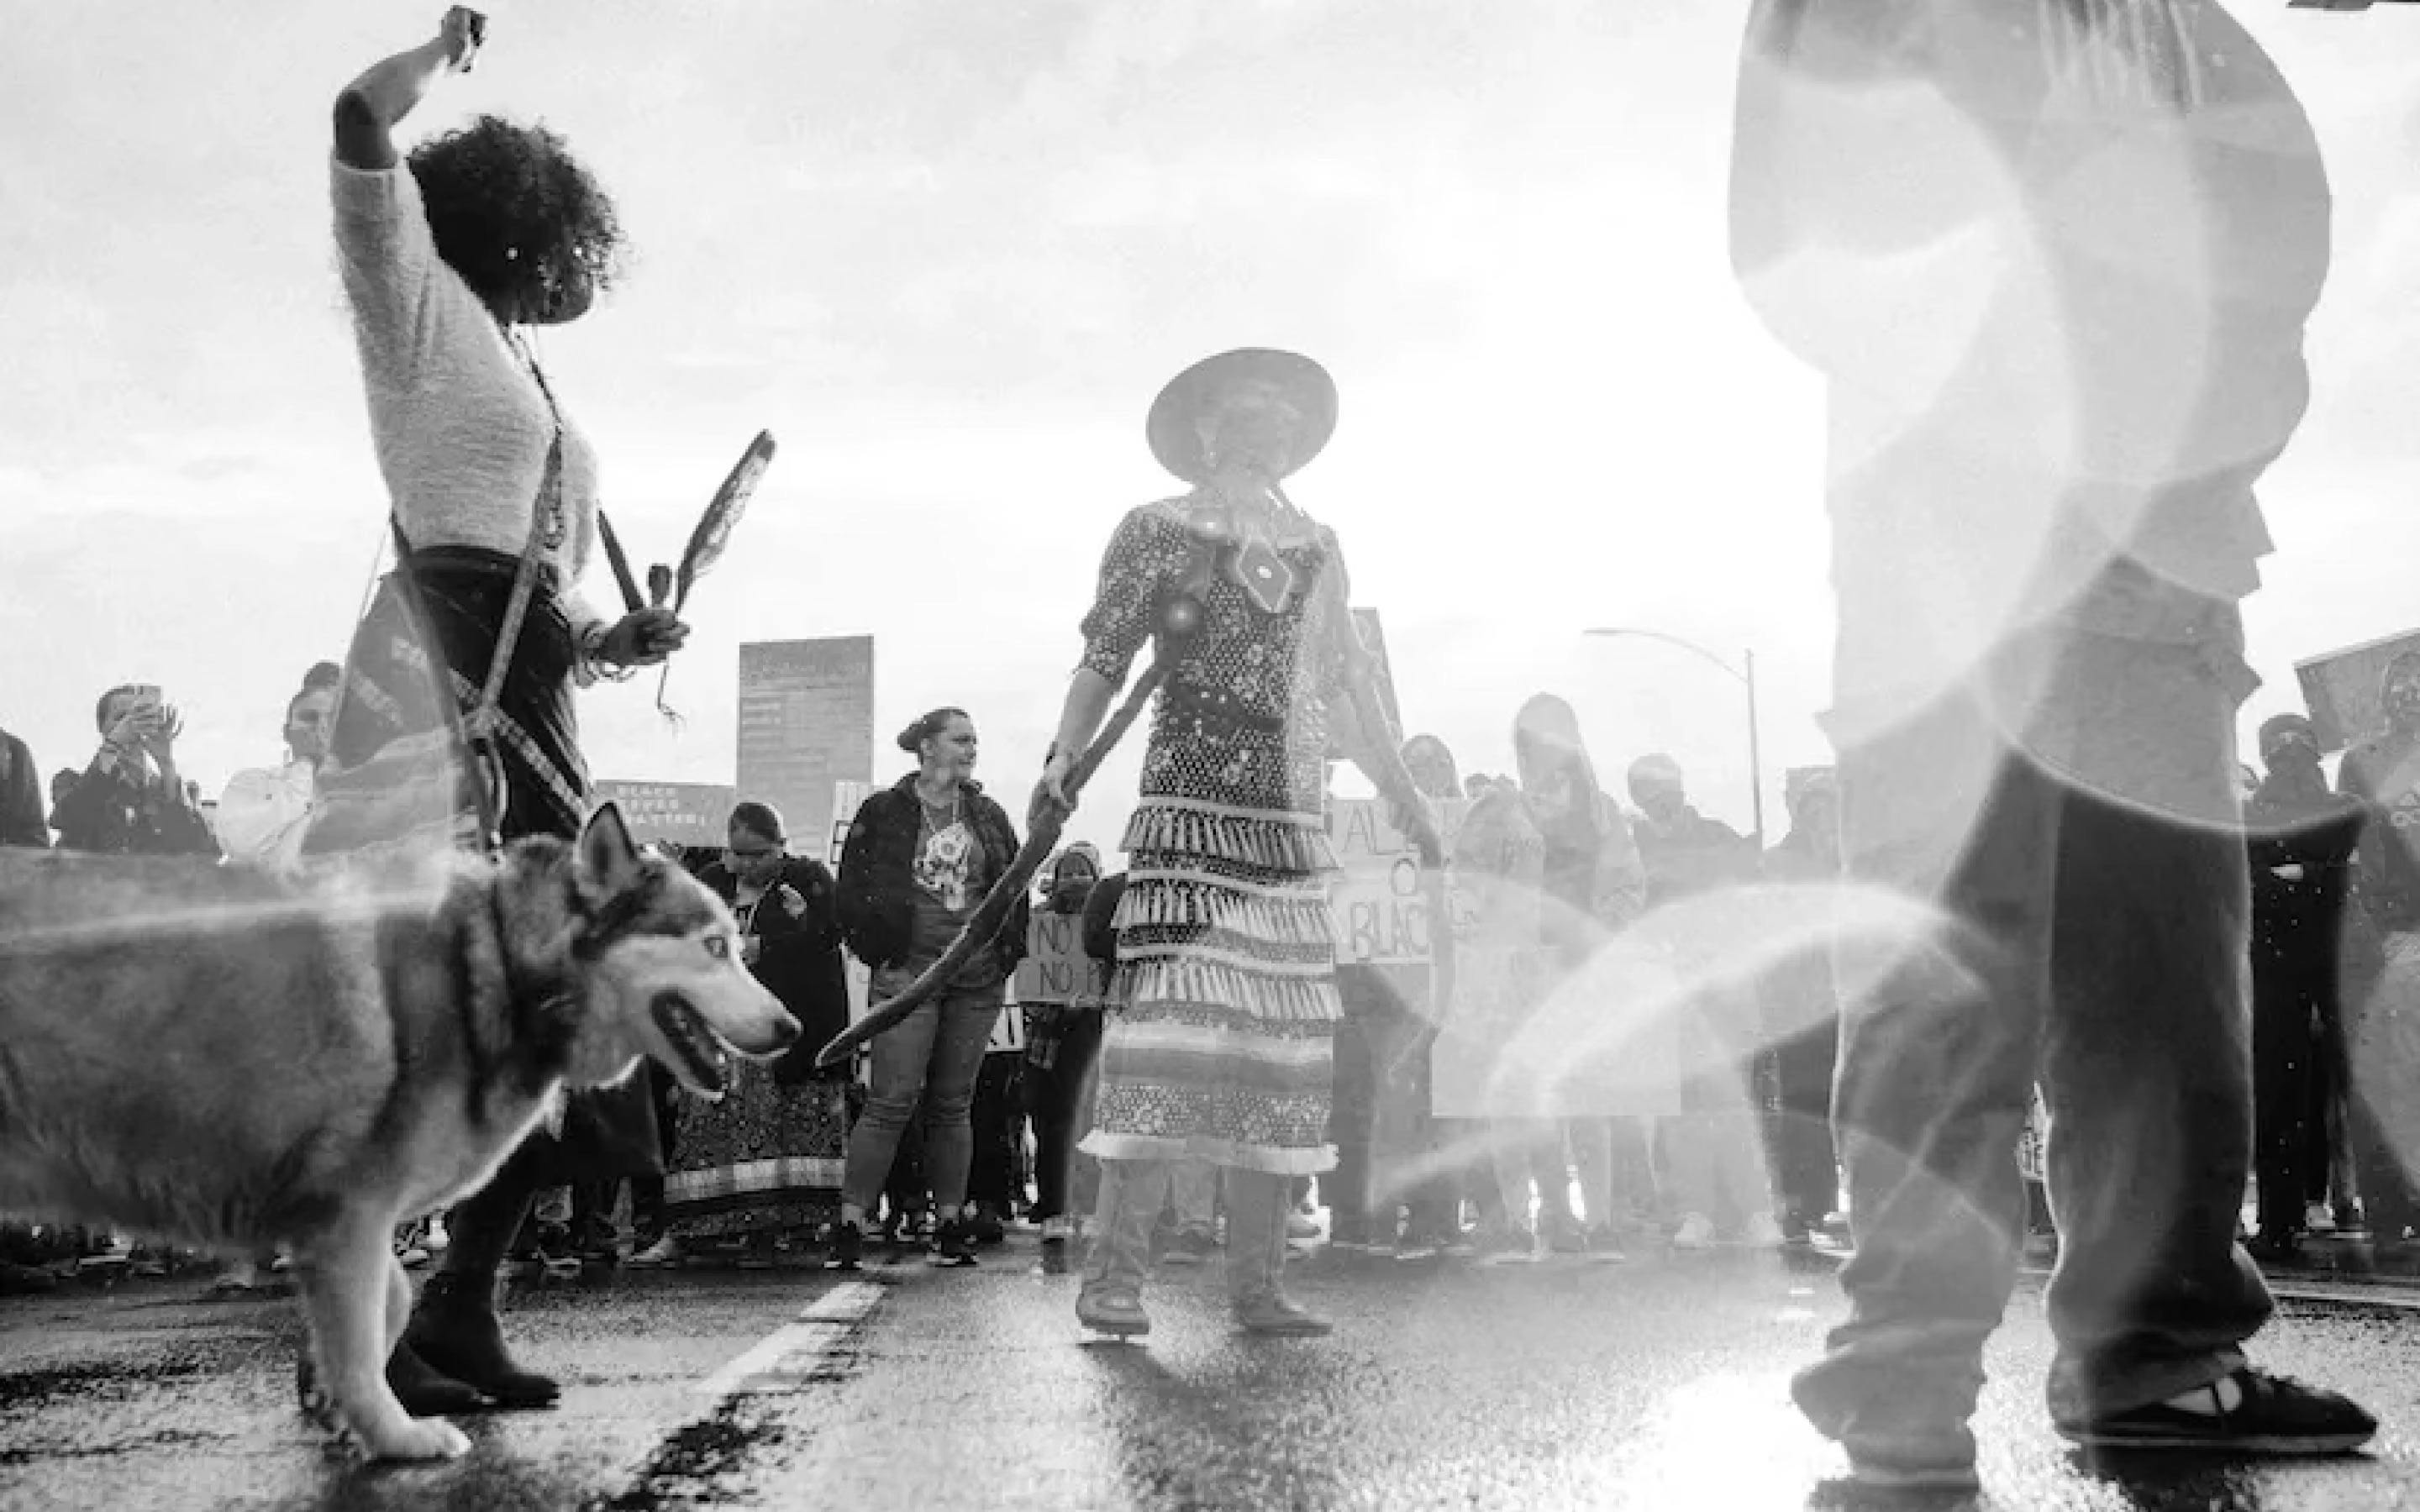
[[1380, 896], [2341, 689], [1056, 970], [684, 814], [847, 797], [1524, 1035]]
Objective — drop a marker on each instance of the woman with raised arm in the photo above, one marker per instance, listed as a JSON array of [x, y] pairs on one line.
[[450, 258], [1224, 1006]]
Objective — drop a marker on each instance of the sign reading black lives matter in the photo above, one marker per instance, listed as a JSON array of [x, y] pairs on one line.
[[684, 814]]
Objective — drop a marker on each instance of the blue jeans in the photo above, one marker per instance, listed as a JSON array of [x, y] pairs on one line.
[[2091, 882], [934, 1054]]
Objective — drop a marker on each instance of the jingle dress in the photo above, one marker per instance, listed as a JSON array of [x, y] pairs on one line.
[[1224, 1002]]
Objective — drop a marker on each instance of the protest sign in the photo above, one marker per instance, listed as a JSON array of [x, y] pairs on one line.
[[1380, 896], [1526, 1035], [2341, 688], [1056, 970]]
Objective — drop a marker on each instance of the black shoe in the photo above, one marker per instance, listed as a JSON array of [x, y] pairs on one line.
[[2275, 1415], [955, 1244], [596, 1241], [848, 1248], [454, 1329], [2271, 1247], [988, 1225], [423, 1390]]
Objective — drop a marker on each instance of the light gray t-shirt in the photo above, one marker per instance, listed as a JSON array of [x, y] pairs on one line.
[[460, 425]]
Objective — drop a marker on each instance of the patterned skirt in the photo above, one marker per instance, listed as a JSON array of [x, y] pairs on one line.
[[764, 1159], [1218, 1046]]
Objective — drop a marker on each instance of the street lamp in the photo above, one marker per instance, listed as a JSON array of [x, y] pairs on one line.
[[1744, 675]]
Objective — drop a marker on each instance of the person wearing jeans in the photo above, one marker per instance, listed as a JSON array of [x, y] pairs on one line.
[[2056, 262], [915, 866]]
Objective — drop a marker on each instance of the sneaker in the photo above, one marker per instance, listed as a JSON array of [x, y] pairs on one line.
[[1114, 1310], [434, 1239], [1190, 1246], [1058, 1230], [595, 1239], [1939, 1458], [848, 1248], [954, 1248], [26, 1280], [1762, 1232], [665, 1252], [1276, 1316], [2270, 1414], [1507, 1245], [1425, 1241], [988, 1225], [1697, 1232], [412, 1256], [2317, 1218], [117, 1254], [1301, 1225]]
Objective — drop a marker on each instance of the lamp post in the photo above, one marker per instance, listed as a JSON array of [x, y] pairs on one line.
[[1744, 675]]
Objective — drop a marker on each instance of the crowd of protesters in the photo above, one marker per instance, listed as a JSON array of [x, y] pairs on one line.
[[955, 1136]]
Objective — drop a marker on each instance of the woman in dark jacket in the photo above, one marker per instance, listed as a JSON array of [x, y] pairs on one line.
[[918, 859], [765, 1163]]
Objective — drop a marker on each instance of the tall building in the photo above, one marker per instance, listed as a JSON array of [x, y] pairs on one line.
[[806, 722]]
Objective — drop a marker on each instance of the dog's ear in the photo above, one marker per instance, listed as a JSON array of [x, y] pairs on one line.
[[607, 855]]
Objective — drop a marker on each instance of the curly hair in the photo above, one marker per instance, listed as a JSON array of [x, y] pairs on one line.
[[510, 207]]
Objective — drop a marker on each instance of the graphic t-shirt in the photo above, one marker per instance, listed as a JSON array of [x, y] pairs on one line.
[[950, 877]]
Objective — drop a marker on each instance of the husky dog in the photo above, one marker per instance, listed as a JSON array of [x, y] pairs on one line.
[[216, 1058]]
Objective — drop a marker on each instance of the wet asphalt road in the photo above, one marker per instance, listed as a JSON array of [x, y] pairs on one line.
[[1658, 1384]]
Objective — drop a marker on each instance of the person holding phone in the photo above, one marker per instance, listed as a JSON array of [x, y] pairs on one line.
[[130, 800]]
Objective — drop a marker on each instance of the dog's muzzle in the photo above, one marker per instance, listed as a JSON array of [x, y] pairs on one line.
[[704, 1060]]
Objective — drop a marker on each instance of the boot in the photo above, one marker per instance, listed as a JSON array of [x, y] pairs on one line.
[[1256, 1251], [1111, 1301], [424, 1391], [454, 1329]]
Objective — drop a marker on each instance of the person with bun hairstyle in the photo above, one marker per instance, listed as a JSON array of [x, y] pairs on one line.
[[918, 859]]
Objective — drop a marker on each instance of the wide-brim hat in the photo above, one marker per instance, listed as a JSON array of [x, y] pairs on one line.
[[1171, 431]]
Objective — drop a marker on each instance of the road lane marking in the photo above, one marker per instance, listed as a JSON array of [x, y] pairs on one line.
[[793, 1354], [719, 1439]]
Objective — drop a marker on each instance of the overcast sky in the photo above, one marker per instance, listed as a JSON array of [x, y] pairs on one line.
[[948, 252]]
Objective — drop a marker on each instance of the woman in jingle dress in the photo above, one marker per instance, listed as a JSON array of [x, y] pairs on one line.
[[1217, 1046]]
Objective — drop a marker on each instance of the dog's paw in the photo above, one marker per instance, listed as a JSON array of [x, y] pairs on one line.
[[316, 1403], [419, 1439]]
